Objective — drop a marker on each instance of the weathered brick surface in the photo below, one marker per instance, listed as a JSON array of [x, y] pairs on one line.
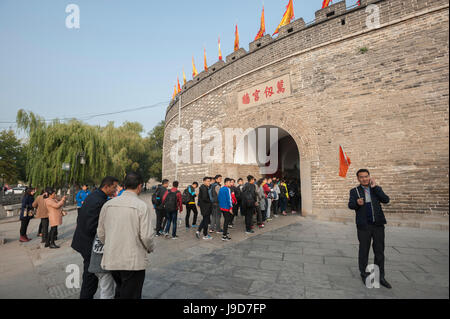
[[388, 107]]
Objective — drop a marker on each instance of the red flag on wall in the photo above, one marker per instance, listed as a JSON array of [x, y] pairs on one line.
[[344, 162], [262, 28], [326, 3]]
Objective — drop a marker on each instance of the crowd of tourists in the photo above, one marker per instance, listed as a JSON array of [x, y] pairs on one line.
[[114, 233], [257, 201]]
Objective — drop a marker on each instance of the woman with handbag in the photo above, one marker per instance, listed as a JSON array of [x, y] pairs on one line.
[[26, 213], [55, 214]]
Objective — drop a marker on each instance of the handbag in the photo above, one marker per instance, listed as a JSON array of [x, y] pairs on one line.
[[30, 213]]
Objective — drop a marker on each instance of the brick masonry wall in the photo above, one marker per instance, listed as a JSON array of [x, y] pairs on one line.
[[388, 107]]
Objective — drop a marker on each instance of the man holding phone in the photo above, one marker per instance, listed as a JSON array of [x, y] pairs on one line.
[[366, 201]]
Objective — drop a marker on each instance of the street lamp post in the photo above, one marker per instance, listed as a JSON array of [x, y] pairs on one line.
[[81, 156], [66, 168]]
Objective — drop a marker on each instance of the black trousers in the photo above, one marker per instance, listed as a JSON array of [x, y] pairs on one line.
[[248, 213], [160, 215], [274, 207], [206, 213], [24, 225], [367, 235], [235, 213], [227, 216], [294, 202], [43, 229], [52, 235], [128, 283], [90, 281], [192, 207]]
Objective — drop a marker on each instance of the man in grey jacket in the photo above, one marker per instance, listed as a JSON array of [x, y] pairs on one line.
[[127, 234], [216, 213]]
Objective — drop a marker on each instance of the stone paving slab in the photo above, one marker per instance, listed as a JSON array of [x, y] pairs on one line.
[[292, 258]]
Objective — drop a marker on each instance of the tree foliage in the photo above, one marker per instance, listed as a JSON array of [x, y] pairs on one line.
[[107, 150], [51, 145], [12, 158], [154, 144]]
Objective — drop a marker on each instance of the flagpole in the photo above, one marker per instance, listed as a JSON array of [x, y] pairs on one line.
[[178, 137]]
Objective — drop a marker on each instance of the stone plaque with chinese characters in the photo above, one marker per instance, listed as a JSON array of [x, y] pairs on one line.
[[267, 92]]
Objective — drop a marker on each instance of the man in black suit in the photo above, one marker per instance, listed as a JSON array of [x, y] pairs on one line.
[[366, 200], [87, 222]]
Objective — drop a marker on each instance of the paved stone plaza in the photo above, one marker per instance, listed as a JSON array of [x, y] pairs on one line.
[[294, 257]]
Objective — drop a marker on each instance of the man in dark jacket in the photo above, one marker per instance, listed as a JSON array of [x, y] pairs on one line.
[[189, 192], [366, 201], [205, 208], [249, 201], [160, 211], [87, 222]]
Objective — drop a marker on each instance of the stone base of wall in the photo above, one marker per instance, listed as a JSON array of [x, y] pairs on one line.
[[423, 221]]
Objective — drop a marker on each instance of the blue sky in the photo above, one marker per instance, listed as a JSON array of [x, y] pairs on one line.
[[126, 54]]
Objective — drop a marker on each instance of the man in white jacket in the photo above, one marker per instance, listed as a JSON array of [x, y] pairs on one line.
[[125, 229]]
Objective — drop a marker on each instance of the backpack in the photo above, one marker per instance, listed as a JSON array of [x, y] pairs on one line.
[[212, 193], [170, 203], [185, 197], [157, 198], [272, 195], [275, 195], [237, 193], [247, 198], [154, 200]]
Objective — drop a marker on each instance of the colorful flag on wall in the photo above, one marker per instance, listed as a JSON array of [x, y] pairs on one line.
[[262, 28], [236, 39], [326, 3], [204, 58], [194, 69], [220, 52], [287, 17], [184, 78], [174, 92], [178, 85], [344, 162]]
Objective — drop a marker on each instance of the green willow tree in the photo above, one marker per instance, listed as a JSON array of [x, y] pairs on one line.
[[51, 145], [107, 150], [127, 149]]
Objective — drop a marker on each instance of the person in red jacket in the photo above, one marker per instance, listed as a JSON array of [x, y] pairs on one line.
[[173, 204]]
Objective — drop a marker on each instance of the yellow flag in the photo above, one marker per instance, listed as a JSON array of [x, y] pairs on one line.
[[174, 92], [194, 69], [236, 39], [262, 28], [184, 78], [287, 17], [204, 57]]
